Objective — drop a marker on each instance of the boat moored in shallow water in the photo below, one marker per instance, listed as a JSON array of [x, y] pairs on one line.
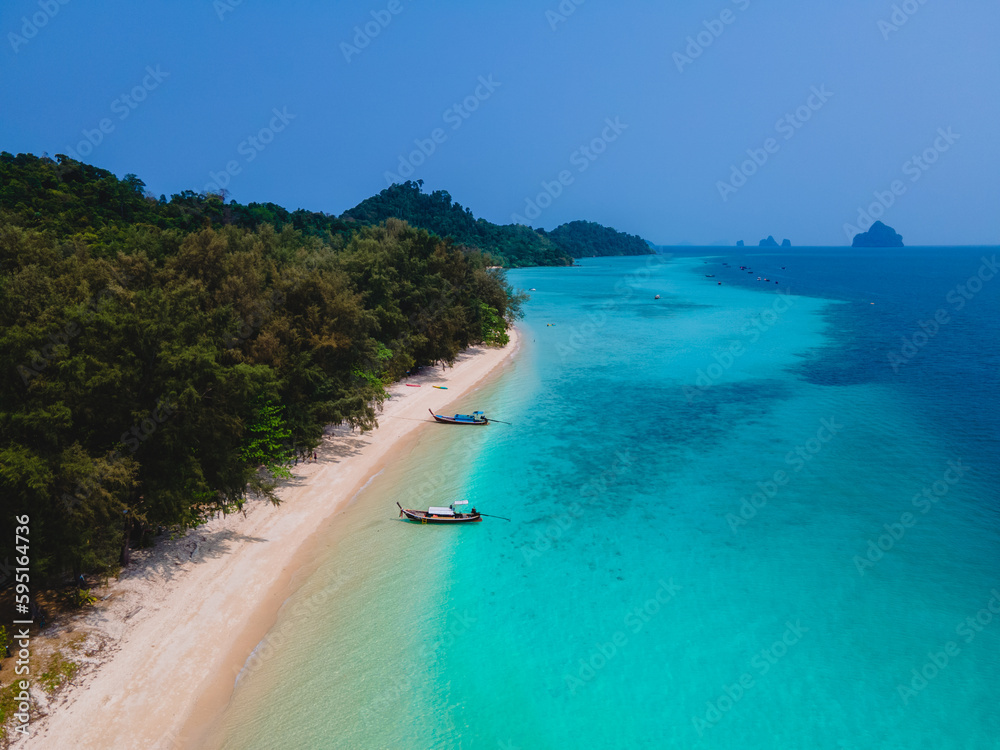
[[441, 515], [477, 417]]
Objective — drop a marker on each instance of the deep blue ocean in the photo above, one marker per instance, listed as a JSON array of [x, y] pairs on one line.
[[747, 514]]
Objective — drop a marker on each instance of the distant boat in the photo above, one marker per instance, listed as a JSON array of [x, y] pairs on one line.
[[532, 289], [477, 417], [442, 387], [413, 385], [440, 515], [657, 296]]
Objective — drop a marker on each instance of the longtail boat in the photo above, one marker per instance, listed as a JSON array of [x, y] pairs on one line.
[[440, 515], [477, 417]]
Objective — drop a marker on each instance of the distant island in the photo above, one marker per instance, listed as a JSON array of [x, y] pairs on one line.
[[769, 242], [510, 245], [879, 235]]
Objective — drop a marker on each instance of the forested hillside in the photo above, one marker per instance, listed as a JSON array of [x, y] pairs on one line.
[[587, 239], [511, 244], [162, 359]]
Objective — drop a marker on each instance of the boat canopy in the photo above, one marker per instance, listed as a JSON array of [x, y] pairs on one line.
[[440, 511]]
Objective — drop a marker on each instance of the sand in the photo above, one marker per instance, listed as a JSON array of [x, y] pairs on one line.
[[172, 633]]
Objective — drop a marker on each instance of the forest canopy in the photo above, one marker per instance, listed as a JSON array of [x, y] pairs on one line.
[[163, 359]]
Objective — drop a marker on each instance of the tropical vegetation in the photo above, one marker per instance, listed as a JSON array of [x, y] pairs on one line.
[[164, 359]]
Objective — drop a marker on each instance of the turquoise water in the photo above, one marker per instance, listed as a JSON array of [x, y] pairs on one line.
[[718, 537]]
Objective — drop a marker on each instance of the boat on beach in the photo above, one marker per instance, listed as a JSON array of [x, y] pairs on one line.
[[440, 515], [477, 417]]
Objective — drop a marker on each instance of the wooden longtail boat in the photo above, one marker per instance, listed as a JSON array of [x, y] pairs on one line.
[[477, 417], [440, 515]]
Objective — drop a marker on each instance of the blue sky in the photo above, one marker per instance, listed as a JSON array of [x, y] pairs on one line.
[[780, 118]]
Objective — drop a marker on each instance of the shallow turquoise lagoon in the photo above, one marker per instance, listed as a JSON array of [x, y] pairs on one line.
[[743, 515]]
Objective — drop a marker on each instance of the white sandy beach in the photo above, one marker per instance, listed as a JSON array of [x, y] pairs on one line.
[[185, 616]]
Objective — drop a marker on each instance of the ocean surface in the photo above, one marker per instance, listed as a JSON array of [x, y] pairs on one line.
[[745, 515]]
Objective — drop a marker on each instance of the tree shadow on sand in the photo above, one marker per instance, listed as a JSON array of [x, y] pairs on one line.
[[170, 556]]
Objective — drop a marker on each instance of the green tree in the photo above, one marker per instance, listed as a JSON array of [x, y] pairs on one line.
[[159, 353]]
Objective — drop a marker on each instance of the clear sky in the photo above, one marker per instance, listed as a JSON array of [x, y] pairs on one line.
[[183, 86]]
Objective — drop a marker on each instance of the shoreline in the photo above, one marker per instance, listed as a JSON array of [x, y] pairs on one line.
[[180, 623]]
